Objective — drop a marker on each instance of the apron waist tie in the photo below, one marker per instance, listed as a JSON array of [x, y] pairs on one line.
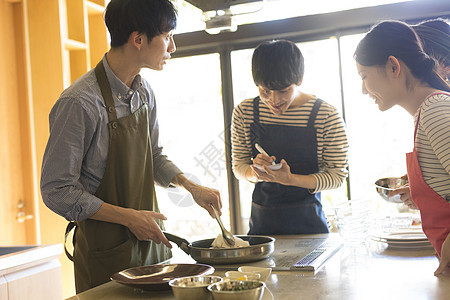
[[70, 226]]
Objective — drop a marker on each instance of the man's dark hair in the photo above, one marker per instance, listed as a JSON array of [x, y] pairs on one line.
[[151, 17], [277, 64]]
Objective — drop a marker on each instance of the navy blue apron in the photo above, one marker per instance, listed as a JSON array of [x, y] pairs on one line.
[[280, 209]]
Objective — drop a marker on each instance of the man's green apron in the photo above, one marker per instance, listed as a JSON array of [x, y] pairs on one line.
[[102, 248]]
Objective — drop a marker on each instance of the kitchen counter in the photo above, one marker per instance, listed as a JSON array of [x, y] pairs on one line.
[[374, 271], [30, 270], [16, 258]]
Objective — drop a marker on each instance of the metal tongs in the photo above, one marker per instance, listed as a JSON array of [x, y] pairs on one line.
[[227, 236]]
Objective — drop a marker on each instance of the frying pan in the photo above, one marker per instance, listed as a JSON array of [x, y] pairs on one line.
[[260, 248]]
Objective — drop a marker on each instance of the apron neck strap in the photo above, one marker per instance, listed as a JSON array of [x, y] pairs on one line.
[[420, 108], [314, 112], [417, 124], [312, 116], [105, 89], [256, 110]]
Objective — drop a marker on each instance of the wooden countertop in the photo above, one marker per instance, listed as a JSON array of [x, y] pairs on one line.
[[374, 271], [28, 257]]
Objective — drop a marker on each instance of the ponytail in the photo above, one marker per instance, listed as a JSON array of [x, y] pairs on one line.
[[425, 69], [401, 41]]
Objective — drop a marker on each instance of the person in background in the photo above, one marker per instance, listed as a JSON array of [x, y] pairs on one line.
[[395, 70], [435, 37], [302, 132], [103, 154]]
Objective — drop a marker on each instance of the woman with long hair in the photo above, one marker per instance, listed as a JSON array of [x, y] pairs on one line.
[[395, 70]]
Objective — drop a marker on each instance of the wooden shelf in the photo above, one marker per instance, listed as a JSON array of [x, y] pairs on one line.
[[99, 2], [94, 8], [79, 64], [76, 21], [84, 36], [74, 45]]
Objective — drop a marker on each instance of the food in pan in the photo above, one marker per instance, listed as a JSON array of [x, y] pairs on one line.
[[219, 242]]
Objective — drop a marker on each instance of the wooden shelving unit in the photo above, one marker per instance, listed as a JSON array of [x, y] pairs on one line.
[[54, 43], [84, 36], [98, 43], [94, 7]]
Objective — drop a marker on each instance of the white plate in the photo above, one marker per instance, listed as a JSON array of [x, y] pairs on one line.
[[413, 245], [403, 238], [408, 243], [271, 167], [410, 246]]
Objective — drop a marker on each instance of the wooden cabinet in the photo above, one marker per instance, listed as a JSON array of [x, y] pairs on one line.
[[34, 273], [46, 45], [41, 282]]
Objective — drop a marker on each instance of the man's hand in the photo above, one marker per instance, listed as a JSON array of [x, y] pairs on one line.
[[202, 195], [140, 222], [144, 226]]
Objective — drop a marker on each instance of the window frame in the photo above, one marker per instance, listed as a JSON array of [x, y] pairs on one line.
[[299, 29]]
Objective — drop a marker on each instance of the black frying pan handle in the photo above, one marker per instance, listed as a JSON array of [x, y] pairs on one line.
[[182, 243]]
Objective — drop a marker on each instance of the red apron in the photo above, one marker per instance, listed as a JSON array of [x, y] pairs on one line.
[[434, 210]]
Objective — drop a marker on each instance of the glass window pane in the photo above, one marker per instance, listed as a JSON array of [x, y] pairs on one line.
[[189, 103], [322, 71], [321, 78], [243, 88], [378, 140]]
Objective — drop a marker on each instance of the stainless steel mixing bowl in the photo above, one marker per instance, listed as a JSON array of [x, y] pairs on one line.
[[237, 290], [385, 185], [193, 287]]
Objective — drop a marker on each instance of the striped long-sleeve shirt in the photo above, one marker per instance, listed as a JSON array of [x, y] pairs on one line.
[[433, 143], [332, 145]]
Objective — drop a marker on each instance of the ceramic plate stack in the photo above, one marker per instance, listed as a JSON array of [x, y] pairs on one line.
[[403, 238]]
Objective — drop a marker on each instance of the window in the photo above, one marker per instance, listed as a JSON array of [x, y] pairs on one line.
[[378, 140], [189, 91], [321, 79], [189, 103]]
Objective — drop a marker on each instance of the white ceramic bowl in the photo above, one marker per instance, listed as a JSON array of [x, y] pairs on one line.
[[237, 275], [264, 273]]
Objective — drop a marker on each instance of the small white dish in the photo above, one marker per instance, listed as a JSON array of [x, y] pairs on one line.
[[238, 275], [264, 273], [271, 167]]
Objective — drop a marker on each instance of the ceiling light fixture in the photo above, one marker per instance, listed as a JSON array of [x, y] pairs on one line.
[[218, 14], [220, 23]]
